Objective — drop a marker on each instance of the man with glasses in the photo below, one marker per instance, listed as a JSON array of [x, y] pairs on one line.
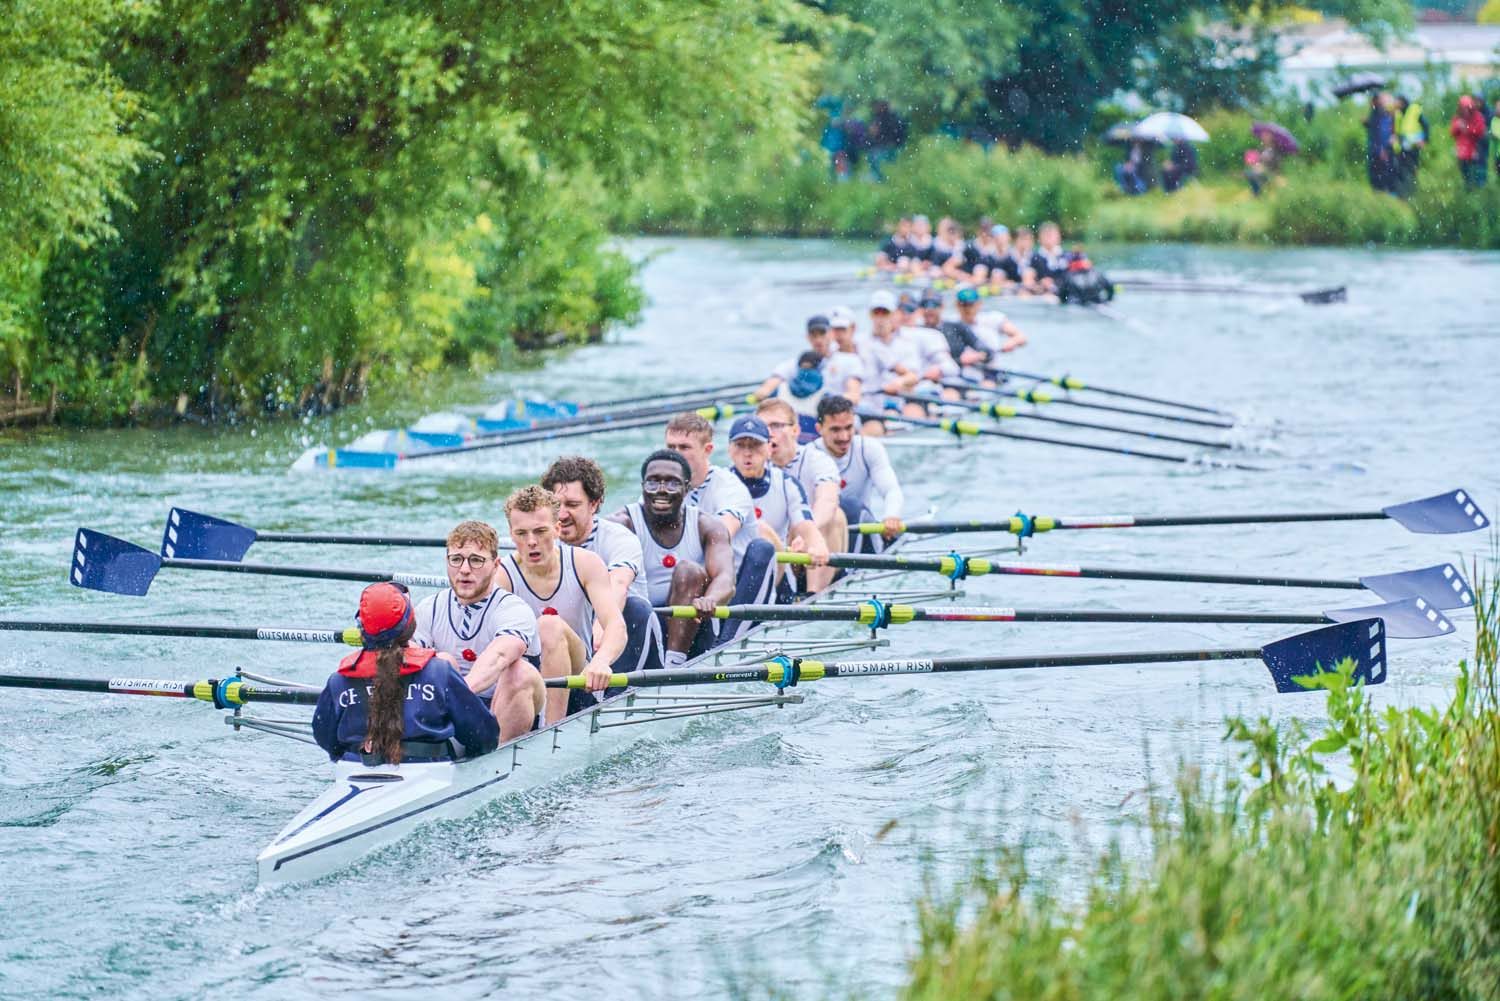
[[568, 590], [688, 560], [486, 632], [816, 473]]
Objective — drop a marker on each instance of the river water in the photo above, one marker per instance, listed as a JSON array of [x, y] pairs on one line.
[[779, 850]]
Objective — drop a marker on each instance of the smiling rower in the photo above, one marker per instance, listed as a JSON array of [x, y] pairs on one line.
[[864, 469], [813, 470], [688, 560], [568, 590]]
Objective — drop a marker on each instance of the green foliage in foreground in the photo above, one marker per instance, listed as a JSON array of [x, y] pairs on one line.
[[764, 189], [1363, 863]]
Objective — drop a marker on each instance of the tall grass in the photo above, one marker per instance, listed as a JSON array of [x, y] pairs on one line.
[[1279, 882]]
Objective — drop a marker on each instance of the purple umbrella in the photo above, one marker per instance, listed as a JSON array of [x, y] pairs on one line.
[[1280, 139]]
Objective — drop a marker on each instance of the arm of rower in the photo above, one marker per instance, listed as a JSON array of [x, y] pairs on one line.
[[766, 388], [620, 579], [812, 541], [825, 502], [502, 652], [1014, 338], [853, 387], [731, 522], [599, 587], [884, 478], [718, 561]]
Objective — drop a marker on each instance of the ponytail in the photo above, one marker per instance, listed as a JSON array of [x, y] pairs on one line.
[[387, 722]]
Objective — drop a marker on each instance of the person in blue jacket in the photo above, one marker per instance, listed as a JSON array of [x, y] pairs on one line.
[[391, 702]]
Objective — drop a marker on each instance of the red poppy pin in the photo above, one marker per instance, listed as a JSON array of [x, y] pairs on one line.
[[669, 561], [470, 655]]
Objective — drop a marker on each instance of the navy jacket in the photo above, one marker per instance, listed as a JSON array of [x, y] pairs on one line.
[[439, 707]]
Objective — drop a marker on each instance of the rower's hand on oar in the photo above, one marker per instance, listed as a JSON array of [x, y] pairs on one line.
[[705, 607], [892, 528], [816, 558], [596, 675]]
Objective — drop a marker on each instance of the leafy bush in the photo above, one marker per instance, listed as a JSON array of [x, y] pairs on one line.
[[1278, 883]]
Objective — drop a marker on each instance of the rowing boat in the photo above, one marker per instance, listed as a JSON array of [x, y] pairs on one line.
[[365, 808]]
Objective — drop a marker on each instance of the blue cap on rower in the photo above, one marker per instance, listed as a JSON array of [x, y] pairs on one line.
[[908, 302], [883, 299], [751, 427], [817, 322], [967, 293], [931, 299]]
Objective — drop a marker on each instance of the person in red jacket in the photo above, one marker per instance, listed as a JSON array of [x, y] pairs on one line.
[[1467, 128]]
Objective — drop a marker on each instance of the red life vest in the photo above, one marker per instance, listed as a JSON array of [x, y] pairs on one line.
[[362, 663]]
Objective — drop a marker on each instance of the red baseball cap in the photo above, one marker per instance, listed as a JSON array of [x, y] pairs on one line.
[[384, 613]]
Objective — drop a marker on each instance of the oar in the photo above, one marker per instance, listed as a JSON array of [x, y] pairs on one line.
[[1040, 396], [729, 389], [194, 536], [547, 431], [1071, 382], [1315, 297], [349, 637], [1441, 586], [1001, 411], [1410, 618], [961, 428], [1321, 650], [223, 693], [1440, 514], [104, 563]]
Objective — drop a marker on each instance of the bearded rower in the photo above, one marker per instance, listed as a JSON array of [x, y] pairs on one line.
[[864, 469], [568, 590], [814, 471], [781, 507], [578, 483], [688, 559], [485, 631], [715, 490]]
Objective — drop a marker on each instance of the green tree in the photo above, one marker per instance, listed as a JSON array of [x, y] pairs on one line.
[[66, 132]]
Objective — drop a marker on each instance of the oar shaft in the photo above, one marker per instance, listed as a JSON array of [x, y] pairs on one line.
[[728, 389], [230, 692], [1002, 412], [346, 636], [879, 614], [415, 541], [1042, 523], [1069, 382], [553, 431], [1039, 397], [320, 573]]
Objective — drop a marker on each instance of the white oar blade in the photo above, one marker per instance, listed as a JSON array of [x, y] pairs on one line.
[[1440, 514], [1441, 585], [1409, 618]]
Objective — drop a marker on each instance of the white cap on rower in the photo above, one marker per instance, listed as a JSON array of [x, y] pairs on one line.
[[883, 299], [840, 316]]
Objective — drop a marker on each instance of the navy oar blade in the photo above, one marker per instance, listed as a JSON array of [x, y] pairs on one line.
[[1409, 618], [104, 563], [1321, 650], [193, 536], [1440, 514], [1442, 585]]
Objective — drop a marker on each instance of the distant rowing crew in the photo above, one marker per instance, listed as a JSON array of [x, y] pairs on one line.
[[578, 595], [1025, 266], [910, 345]]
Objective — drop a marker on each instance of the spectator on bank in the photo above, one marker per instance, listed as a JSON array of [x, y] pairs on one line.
[[1411, 139], [1380, 153], [1180, 168], [887, 135], [1133, 175], [832, 139], [1256, 174], [1468, 129], [856, 142]]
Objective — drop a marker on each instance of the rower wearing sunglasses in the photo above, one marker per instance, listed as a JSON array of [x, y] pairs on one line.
[[489, 634]]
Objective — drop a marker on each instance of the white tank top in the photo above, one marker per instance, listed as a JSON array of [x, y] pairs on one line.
[[569, 601], [783, 505], [659, 559], [464, 631]]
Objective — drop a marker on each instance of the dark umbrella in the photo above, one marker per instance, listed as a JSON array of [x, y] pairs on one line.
[[1279, 138], [1358, 84]]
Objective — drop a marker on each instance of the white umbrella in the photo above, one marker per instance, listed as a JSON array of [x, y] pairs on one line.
[[1169, 127]]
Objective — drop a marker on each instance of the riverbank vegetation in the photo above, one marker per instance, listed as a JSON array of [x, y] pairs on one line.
[[218, 211], [1361, 861]]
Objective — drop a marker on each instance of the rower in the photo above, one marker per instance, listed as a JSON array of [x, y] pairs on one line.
[[864, 470], [813, 470], [841, 328], [1026, 261], [937, 363], [1004, 269], [578, 484], [568, 590], [717, 491], [781, 508], [688, 559], [964, 346], [993, 331], [895, 252], [1050, 259], [802, 384], [894, 363], [485, 631], [393, 702]]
